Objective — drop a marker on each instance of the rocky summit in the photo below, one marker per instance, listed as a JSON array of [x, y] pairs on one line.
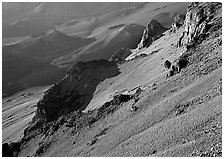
[[152, 31]]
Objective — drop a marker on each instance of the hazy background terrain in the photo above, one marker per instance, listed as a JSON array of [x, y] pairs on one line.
[[41, 40]]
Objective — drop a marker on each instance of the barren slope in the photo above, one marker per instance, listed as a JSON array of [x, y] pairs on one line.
[[140, 111]]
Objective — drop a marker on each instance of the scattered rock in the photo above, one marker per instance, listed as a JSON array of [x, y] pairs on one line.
[[170, 73], [92, 142], [134, 108], [43, 147], [179, 64]]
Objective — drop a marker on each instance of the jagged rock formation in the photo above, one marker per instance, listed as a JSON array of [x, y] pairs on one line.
[[200, 18], [120, 55], [75, 91], [152, 31], [178, 21]]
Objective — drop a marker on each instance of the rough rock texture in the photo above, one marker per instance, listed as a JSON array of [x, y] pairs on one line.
[[75, 91], [200, 18], [120, 55], [152, 31], [178, 21]]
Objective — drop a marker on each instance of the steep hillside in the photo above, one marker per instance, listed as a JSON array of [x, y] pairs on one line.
[[17, 111], [140, 107], [75, 91]]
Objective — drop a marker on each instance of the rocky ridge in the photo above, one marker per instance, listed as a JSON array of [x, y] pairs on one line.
[[152, 31], [76, 89]]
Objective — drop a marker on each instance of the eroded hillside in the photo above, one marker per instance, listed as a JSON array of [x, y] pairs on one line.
[[138, 107]]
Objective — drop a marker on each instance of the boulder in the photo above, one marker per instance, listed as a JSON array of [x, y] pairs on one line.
[[170, 73], [167, 64], [182, 62]]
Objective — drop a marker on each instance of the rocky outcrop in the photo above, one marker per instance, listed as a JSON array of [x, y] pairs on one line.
[[75, 91], [120, 55], [178, 21], [152, 31], [200, 18], [175, 67]]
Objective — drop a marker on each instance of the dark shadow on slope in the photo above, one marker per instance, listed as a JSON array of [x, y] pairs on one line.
[[76, 90]]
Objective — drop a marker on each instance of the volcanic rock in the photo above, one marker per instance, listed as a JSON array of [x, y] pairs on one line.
[[199, 19], [75, 91], [152, 31], [177, 22]]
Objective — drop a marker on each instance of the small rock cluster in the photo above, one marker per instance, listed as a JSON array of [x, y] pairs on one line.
[[176, 67]]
